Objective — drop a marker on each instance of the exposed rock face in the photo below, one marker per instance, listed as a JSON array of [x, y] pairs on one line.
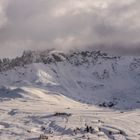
[[48, 57]]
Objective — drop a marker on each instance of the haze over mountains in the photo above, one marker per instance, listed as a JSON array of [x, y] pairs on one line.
[[65, 24]]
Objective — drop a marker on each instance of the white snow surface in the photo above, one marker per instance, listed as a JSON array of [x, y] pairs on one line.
[[59, 100]]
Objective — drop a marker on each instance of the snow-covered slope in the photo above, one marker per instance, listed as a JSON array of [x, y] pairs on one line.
[[55, 95], [88, 77]]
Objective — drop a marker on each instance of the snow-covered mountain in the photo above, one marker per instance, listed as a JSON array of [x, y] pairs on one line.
[[78, 95], [90, 77]]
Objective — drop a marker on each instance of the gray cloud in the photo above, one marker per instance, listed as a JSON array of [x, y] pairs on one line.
[[65, 24]]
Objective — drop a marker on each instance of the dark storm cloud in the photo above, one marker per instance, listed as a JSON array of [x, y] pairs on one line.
[[65, 24]]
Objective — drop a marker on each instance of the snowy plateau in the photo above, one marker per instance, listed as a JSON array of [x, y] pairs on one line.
[[80, 95]]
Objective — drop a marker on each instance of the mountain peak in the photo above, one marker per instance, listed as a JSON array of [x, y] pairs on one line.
[[53, 56], [92, 77]]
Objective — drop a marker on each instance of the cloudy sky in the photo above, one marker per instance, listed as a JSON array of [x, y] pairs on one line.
[[112, 25]]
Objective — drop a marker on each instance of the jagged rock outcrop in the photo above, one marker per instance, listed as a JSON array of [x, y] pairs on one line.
[[49, 56]]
